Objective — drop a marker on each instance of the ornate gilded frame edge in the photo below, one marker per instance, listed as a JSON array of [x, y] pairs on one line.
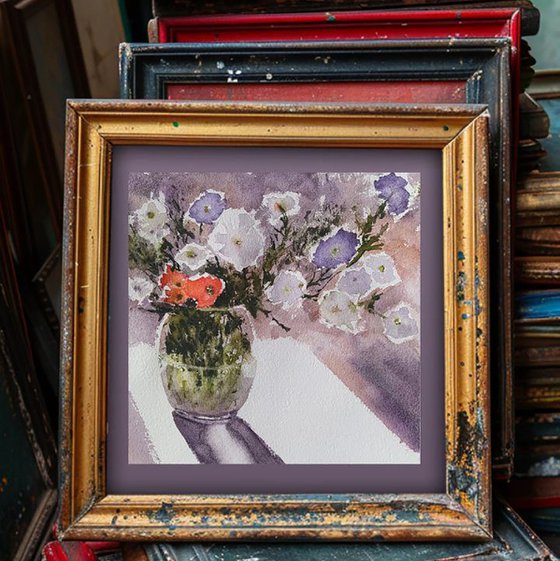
[[87, 512]]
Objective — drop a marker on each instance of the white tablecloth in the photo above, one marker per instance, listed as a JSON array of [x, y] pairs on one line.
[[296, 405]]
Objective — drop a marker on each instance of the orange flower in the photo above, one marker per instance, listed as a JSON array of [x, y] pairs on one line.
[[174, 284], [178, 288], [204, 289]]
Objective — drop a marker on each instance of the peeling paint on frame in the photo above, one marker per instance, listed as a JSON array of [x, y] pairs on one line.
[[87, 512]]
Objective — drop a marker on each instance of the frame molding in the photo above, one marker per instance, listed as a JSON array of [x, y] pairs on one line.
[[482, 64], [87, 512], [361, 25], [299, 8]]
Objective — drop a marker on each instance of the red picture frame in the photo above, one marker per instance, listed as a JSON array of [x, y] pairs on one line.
[[346, 26], [352, 26]]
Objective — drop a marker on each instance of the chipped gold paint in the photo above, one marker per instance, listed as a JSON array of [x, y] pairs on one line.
[[87, 512]]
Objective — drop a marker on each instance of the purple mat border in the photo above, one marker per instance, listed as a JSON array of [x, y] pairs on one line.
[[427, 477]]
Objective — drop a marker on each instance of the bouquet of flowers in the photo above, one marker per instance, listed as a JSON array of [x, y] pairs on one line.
[[210, 268]]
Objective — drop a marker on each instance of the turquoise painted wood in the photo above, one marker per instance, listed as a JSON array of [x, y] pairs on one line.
[[513, 541]]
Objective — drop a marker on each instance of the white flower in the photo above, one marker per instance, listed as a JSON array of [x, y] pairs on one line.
[[139, 288], [355, 281], [192, 257], [400, 324], [281, 203], [152, 214], [382, 269], [151, 220], [237, 238], [288, 289], [155, 237], [338, 309]]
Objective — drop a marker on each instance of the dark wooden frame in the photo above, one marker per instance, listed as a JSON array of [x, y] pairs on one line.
[[39, 281], [21, 384], [545, 84], [513, 540], [483, 64], [23, 75]]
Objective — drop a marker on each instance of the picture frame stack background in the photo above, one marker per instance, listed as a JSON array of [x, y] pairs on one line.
[[278, 123], [35, 84], [34, 106], [217, 66], [534, 487]]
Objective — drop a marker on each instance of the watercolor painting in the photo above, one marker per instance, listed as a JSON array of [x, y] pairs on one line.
[[274, 318]]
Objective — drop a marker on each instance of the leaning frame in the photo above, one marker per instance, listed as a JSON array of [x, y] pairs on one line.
[[147, 70], [87, 512]]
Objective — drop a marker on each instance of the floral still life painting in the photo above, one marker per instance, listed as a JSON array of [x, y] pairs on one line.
[[274, 318]]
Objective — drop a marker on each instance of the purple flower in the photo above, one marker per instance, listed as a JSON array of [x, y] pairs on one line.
[[391, 188], [208, 207], [336, 250]]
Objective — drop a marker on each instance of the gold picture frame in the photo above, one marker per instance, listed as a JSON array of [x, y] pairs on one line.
[[87, 511]]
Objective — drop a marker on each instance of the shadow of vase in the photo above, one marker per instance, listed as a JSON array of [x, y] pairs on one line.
[[207, 371]]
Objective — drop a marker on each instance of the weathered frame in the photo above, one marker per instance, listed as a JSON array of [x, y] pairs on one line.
[[297, 8], [482, 63], [545, 84], [87, 512], [20, 384], [339, 25]]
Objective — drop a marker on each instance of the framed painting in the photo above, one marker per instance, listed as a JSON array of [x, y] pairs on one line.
[[275, 320], [476, 71]]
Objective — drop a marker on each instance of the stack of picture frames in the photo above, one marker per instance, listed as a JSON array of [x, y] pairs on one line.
[[285, 258], [40, 80], [351, 63], [27, 454], [35, 84]]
